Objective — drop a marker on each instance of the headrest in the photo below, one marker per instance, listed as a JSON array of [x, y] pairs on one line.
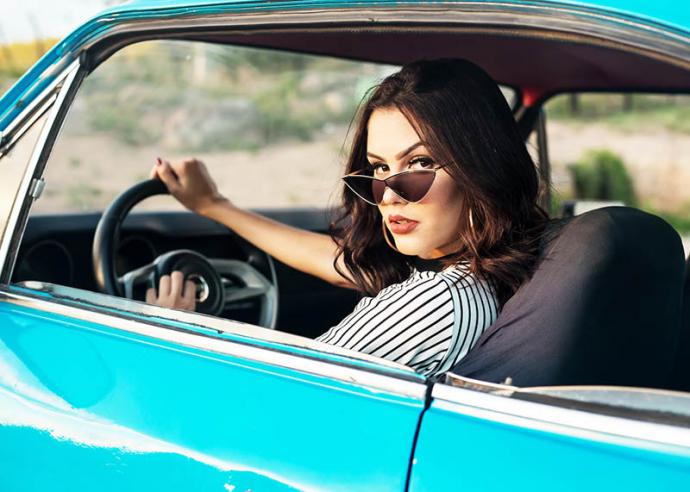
[[602, 307]]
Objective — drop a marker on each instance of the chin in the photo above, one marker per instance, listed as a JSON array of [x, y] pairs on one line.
[[410, 248]]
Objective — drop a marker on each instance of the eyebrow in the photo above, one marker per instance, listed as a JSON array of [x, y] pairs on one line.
[[401, 154]]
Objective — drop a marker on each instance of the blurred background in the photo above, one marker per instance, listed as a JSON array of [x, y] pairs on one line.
[[252, 115]]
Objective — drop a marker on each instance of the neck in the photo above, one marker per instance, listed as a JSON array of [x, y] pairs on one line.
[[427, 264], [443, 251]]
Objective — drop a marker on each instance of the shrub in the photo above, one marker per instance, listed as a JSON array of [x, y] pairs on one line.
[[601, 175]]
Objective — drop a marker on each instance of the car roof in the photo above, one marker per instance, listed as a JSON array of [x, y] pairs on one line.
[[663, 11], [640, 17]]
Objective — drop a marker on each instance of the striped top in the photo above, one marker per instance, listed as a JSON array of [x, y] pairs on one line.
[[428, 322]]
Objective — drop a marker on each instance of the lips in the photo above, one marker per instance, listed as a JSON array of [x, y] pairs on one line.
[[399, 224]]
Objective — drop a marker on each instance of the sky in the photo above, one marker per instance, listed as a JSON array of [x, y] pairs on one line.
[[25, 20]]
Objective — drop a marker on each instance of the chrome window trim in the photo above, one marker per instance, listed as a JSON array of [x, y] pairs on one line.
[[557, 22], [411, 387], [8, 225], [558, 420], [18, 126], [26, 120]]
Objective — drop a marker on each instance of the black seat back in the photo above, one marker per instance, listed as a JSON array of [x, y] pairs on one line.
[[603, 307], [681, 363]]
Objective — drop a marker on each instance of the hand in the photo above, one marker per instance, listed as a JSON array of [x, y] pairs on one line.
[[190, 183], [173, 292]]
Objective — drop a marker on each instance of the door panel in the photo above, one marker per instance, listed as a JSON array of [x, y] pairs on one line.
[[84, 405], [462, 446]]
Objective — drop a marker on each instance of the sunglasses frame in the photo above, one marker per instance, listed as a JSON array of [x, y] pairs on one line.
[[385, 182]]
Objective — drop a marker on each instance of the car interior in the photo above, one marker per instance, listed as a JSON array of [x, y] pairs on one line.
[[604, 323]]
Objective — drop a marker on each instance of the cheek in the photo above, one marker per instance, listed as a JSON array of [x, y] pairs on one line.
[[446, 210], [445, 197]]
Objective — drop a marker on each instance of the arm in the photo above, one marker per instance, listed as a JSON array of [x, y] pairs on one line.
[[309, 252]]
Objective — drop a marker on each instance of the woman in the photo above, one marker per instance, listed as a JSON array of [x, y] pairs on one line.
[[440, 221]]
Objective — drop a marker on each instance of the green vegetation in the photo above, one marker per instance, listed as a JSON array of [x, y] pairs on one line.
[[556, 200], [601, 175]]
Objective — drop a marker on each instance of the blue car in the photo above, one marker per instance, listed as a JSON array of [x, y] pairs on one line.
[[581, 384]]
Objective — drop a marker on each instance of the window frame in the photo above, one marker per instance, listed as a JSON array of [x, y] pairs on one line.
[[187, 328], [54, 101]]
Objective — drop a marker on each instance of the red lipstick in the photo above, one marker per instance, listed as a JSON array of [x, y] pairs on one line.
[[399, 224]]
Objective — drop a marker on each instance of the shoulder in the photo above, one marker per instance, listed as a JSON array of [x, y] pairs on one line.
[[460, 277], [414, 285], [455, 284], [417, 285], [468, 292]]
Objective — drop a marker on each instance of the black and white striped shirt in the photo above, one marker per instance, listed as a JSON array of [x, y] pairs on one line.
[[428, 322]]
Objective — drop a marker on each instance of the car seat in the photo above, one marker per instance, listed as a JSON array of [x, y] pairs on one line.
[[680, 378], [603, 307]]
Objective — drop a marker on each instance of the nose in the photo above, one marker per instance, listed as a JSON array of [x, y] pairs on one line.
[[389, 197]]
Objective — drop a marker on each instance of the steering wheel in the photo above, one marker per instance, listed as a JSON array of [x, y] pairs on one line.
[[219, 282]]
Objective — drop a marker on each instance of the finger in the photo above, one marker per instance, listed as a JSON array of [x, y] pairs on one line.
[[168, 176], [175, 168], [150, 295], [154, 170], [164, 287], [187, 170], [189, 296], [176, 284]]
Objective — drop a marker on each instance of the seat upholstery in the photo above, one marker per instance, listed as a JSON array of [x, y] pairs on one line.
[[603, 307], [681, 365]]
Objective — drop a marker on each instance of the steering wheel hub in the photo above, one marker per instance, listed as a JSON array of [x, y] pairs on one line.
[[202, 288], [197, 268]]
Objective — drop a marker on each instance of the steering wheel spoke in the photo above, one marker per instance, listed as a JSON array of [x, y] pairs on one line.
[[134, 278], [235, 294], [252, 285]]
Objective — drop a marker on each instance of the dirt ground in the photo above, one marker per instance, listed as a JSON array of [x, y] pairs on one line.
[[85, 173]]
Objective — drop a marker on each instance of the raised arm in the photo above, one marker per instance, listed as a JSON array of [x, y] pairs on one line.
[[310, 252]]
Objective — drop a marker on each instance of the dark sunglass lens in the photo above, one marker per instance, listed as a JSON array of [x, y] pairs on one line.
[[378, 188], [361, 186], [412, 186]]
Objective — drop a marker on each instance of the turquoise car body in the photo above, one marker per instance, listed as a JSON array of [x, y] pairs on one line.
[[106, 399]]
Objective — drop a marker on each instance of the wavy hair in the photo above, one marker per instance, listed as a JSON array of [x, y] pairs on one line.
[[464, 120]]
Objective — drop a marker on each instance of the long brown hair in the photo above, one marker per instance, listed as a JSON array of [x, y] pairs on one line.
[[465, 121]]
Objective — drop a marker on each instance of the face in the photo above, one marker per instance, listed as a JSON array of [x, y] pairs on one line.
[[429, 228]]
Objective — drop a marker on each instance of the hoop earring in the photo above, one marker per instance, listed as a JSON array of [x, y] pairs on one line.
[[470, 220], [385, 236]]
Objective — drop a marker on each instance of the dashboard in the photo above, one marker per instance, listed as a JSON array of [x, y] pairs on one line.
[[57, 249]]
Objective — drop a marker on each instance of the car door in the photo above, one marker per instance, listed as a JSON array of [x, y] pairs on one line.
[[93, 398], [490, 437], [103, 393]]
